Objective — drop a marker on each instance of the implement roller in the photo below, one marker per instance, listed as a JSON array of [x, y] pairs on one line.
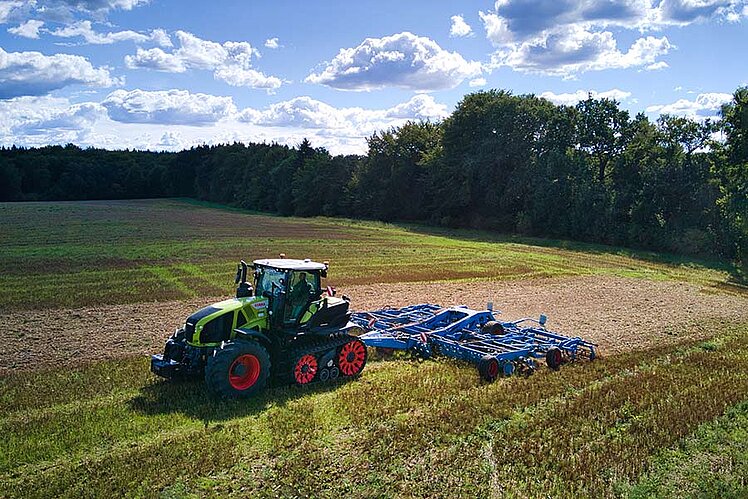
[[497, 348]]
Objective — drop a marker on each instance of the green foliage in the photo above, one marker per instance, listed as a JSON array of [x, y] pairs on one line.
[[731, 168]]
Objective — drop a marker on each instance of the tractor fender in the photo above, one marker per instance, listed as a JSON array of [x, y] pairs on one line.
[[252, 334]]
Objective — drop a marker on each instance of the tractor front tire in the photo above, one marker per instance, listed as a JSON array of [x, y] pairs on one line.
[[238, 369]]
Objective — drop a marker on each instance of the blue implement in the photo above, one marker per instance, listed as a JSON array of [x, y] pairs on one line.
[[496, 347]]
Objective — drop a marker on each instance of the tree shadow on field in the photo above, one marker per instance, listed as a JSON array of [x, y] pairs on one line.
[[737, 275], [193, 399]]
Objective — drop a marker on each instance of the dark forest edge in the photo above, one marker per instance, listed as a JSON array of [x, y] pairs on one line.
[[514, 164]]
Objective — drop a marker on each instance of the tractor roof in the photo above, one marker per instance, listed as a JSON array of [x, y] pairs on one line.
[[290, 264]]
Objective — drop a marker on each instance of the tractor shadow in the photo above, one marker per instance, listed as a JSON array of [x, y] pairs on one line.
[[192, 399]]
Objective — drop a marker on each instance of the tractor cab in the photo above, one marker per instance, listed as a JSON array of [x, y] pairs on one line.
[[294, 292]]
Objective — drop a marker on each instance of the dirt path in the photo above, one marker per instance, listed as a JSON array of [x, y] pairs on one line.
[[618, 314]]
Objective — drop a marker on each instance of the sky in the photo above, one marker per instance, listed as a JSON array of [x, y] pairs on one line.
[[169, 75]]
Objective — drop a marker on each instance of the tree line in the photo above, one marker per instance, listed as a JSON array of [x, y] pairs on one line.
[[504, 162]]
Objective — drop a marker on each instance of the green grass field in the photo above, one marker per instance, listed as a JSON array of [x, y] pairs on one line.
[[90, 253], [672, 420]]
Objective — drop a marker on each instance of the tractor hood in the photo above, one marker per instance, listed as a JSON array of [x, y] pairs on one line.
[[222, 306]]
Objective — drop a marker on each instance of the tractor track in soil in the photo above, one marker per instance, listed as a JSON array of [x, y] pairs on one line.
[[619, 314]]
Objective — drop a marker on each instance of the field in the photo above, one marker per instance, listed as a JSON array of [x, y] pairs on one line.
[[88, 289]]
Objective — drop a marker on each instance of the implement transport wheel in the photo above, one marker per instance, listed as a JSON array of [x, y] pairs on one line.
[[352, 358], [554, 358], [305, 369], [488, 368], [492, 327], [238, 369]]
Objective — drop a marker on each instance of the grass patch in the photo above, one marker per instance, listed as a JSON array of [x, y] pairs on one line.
[[712, 462]]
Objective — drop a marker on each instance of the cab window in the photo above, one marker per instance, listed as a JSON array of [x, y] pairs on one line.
[[270, 281]]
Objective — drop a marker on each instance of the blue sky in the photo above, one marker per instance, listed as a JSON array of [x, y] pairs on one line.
[[166, 74]]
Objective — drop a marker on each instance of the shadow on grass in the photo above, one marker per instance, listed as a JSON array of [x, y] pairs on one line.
[[737, 275], [191, 398]]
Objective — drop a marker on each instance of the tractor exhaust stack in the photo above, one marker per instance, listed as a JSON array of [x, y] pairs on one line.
[[243, 289]]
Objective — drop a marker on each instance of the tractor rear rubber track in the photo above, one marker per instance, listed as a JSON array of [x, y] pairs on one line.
[[325, 352]]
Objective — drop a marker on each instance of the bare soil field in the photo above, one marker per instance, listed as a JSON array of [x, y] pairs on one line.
[[619, 314]]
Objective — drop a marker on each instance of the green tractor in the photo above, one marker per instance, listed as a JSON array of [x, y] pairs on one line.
[[285, 328]]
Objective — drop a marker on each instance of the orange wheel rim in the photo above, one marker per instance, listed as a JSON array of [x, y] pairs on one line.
[[305, 369], [244, 372], [352, 357]]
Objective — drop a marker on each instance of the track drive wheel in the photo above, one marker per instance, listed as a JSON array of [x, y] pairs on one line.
[[305, 369], [238, 369], [488, 368], [352, 358]]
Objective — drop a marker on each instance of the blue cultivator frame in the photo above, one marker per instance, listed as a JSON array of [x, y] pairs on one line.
[[497, 348]]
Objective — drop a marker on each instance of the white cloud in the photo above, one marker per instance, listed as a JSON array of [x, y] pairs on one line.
[[92, 6], [29, 29], [76, 118], [497, 29], [62, 11], [18, 110], [353, 122], [166, 121], [230, 62], [657, 66], [167, 107], [236, 76], [706, 105], [272, 43], [161, 37], [402, 60], [459, 27], [172, 141], [478, 82], [39, 121], [155, 59], [84, 30], [684, 12], [32, 73], [7, 10], [574, 50], [566, 37], [570, 99], [98, 4], [420, 107]]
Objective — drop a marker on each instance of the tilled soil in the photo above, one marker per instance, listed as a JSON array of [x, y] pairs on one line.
[[618, 314]]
